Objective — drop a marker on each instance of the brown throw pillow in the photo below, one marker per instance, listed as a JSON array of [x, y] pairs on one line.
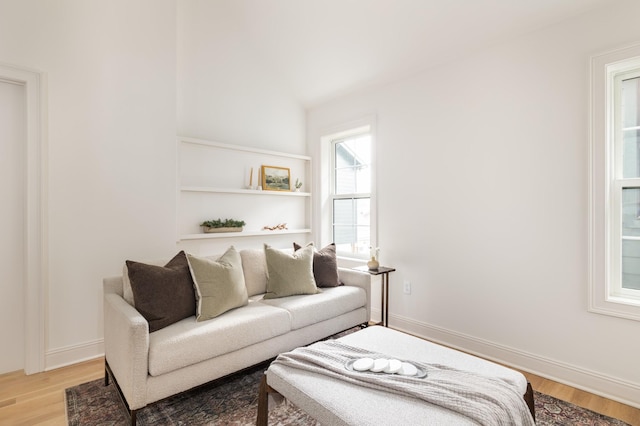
[[163, 294], [325, 266]]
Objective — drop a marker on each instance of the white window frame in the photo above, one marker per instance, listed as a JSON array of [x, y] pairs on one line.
[[606, 295], [329, 136]]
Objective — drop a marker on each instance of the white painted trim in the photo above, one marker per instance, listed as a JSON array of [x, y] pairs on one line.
[[591, 381], [36, 254], [319, 142], [74, 354], [601, 167]]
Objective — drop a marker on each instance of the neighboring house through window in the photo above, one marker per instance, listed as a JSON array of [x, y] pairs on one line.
[[615, 184]]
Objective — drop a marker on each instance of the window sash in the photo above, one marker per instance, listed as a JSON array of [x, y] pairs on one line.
[[615, 290]]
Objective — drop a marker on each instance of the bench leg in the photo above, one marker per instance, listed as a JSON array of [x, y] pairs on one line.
[[528, 397], [263, 402]]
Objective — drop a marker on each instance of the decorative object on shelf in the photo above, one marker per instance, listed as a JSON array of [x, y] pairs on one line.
[[298, 185], [278, 227], [219, 225], [373, 263], [250, 186], [276, 178]]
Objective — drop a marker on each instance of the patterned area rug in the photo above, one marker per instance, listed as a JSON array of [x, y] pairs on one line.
[[234, 401]]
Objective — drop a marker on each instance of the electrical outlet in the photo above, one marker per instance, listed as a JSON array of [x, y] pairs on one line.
[[407, 287]]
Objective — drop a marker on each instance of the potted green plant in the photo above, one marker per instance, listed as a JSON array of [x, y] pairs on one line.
[[298, 185], [219, 225]]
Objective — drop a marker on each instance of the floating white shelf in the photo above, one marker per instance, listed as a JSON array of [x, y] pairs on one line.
[[204, 236], [243, 191]]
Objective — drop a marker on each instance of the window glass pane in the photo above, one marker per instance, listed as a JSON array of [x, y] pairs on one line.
[[630, 110], [630, 212], [631, 154], [630, 245], [351, 229], [631, 264], [352, 160], [353, 180]]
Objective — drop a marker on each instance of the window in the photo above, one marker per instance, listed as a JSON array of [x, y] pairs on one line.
[[346, 191], [351, 193], [615, 184]]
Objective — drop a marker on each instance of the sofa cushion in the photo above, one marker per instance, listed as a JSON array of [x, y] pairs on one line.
[[219, 284], [162, 294], [188, 342], [311, 309], [255, 271], [325, 266], [289, 273]]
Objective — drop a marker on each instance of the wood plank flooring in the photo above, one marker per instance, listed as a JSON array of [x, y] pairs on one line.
[[38, 399]]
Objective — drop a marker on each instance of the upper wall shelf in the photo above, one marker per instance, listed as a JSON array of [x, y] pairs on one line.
[[243, 191]]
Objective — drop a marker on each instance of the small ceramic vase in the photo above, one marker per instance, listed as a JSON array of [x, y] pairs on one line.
[[373, 264]]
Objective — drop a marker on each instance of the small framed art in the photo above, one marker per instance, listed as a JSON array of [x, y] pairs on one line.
[[276, 178]]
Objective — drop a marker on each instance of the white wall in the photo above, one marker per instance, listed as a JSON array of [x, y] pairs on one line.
[[482, 203], [115, 71], [227, 93], [111, 77]]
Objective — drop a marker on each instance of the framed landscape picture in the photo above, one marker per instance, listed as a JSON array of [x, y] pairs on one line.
[[276, 178]]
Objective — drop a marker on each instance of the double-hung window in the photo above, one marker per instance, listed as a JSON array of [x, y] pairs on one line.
[[348, 207], [615, 184], [350, 192]]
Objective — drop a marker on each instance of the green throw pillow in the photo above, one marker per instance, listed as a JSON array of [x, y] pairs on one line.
[[289, 274], [219, 284]]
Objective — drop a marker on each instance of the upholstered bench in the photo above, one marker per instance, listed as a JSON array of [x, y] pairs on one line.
[[333, 401]]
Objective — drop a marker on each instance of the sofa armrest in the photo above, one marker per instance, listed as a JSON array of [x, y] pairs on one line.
[[357, 279], [126, 347]]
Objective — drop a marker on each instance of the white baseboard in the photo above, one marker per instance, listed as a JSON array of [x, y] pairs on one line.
[[62, 357], [591, 381]]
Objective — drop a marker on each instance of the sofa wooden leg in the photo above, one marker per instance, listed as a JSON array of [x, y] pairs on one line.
[[263, 402]]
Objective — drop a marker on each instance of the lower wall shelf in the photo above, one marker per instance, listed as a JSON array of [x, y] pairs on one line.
[[204, 236]]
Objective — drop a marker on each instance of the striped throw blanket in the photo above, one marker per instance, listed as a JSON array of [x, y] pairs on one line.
[[487, 400]]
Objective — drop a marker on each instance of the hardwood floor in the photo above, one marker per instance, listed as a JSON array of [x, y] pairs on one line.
[[39, 399], [584, 399]]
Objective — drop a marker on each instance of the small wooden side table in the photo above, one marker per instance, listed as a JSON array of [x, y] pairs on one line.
[[384, 271]]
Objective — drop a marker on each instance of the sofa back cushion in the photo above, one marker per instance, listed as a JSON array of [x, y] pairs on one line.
[[255, 271]]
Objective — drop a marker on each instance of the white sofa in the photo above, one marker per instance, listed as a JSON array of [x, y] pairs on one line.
[[148, 367]]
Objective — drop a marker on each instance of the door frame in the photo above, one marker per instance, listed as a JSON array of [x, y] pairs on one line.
[[35, 235]]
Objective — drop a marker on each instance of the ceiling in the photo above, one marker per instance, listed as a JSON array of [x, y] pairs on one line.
[[323, 49]]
